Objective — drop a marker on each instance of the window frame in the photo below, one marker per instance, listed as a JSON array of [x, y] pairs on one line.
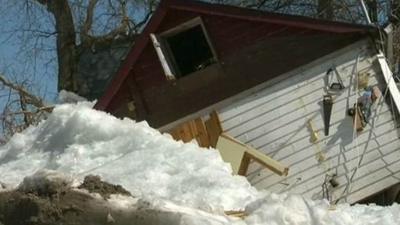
[[164, 52]]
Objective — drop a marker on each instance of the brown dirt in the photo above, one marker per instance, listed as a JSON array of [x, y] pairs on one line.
[[56, 203], [94, 185]]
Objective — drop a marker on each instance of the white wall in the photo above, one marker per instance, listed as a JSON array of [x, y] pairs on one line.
[[274, 120]]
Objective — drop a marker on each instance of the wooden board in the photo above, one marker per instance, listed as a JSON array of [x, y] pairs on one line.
[[214, 128], [202, 135], [239, 156], [233, 153], [388, 75], [268, 162]]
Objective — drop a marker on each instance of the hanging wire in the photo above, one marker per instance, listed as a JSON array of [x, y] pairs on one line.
[[354, 136]]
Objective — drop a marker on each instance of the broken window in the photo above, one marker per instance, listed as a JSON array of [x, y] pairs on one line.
[[184, 49]]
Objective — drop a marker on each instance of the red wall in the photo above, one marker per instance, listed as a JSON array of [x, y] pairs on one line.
[[228, 35]]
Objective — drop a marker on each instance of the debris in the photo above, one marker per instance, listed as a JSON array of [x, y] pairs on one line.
[[239, 214]]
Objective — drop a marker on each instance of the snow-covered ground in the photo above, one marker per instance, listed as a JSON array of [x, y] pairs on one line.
[[77, 140]]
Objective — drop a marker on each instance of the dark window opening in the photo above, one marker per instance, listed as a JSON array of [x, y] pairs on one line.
[[190, 50]]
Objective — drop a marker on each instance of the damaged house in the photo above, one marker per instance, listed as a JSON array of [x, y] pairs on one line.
[[293, 103]]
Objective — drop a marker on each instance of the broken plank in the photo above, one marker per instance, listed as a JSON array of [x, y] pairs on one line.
[[214, 128]]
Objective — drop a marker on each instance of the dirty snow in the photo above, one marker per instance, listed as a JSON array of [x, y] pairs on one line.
[[173, 177]]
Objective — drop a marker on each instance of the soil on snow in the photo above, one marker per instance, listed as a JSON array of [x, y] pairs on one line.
[[57, 203]]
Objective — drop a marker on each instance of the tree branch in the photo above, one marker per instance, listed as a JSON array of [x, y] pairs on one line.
[[89, 20], [120, 30], [28, 97], [150, 12]]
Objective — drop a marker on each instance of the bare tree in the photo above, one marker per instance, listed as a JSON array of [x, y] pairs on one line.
[[72, 34], [54, 32], [325, 9], [338, 10]]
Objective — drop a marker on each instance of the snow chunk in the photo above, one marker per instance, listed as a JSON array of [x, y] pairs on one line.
[[69, 97]]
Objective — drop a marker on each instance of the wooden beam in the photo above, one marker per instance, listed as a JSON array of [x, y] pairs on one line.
[[267, 161]]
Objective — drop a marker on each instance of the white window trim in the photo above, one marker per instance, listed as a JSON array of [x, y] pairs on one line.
[[167, 69]]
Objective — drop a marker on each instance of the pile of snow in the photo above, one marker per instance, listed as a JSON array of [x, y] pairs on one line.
[[78, 141], [171, 177]]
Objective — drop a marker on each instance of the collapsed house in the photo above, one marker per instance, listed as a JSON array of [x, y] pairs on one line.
[[304, 99]]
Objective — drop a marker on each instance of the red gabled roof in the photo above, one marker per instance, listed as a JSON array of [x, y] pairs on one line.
[[219, 10]]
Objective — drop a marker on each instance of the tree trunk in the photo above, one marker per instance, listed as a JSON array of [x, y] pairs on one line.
[[325, 9], [66, 43]]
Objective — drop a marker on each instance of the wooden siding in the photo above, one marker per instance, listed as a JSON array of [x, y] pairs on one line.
[[275, 121]]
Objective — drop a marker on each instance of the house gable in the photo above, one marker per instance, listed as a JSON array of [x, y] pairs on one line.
[[248, 44]]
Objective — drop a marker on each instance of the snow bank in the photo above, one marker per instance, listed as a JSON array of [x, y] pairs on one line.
[[78, 141]]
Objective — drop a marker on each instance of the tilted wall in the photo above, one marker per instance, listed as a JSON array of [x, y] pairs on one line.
[[274, 120]]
